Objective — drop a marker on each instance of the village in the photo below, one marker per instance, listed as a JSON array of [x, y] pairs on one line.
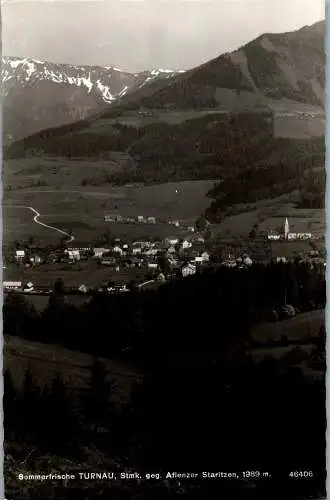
[[154, 261]]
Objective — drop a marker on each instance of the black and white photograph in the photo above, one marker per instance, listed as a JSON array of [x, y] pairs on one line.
[[163, 253]]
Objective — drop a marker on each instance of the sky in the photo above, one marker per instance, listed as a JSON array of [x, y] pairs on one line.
[[143, 34]]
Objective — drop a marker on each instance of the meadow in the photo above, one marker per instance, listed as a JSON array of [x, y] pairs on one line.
[[63, 202], [304, 326], [270, 215], [87, 273], [46, 361]]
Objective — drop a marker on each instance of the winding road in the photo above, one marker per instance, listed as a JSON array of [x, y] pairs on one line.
[[37, 221]]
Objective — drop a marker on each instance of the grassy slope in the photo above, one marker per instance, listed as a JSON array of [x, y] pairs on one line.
[[46, 361]]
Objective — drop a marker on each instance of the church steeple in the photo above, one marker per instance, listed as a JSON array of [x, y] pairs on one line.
[[286, 228]]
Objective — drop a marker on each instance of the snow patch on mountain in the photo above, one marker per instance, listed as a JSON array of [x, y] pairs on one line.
[[108, 82], [105, 91]]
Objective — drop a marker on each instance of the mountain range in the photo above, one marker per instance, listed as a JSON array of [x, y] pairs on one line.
[[40, 94], [161, 119], [276, 71], [253, 119]]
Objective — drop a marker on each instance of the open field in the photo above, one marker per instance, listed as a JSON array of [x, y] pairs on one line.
[[303, 326], [298, 127], [294, 125], [82, 209], [290, 249], [270, 215], [300, 332], [40, 302], [46, 361], [301, 220], [86, 272]]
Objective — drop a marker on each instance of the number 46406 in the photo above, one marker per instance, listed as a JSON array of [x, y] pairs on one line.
[[301, 473]]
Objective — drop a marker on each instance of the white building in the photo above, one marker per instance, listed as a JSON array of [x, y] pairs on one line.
[[247, 260], [205, 256], [98, 252], [172, 241], [12, 285], [274, 237], [188, 270], [36, 259], [299, 236], [118, 250], [73, 254], [20, 254], [28, 287], [136, 250], [186, 244]]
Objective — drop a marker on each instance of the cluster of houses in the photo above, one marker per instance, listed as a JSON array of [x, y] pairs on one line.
[[121, 219], [18, 285], [181, 255], [141, 219]]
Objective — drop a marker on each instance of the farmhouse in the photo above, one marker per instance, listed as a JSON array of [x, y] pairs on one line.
[[98, 252], [205, 256], [29, 287], [12, 285], [247, 260], [186, 244], [35, 259], [118, 250], [20, 254], [136, 250], [188, 270], [273, 236], [172, 241], [73, 254]]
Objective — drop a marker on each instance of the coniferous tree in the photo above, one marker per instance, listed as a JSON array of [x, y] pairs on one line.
[[59, 413], [29, 403], [59, 287], [10, 401], [97, 404]]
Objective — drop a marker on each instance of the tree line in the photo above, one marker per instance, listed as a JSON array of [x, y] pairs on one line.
[[204, 402], [124, 326], [300, 167]]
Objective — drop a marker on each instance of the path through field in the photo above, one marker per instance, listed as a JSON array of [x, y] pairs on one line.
[[36, 217]]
